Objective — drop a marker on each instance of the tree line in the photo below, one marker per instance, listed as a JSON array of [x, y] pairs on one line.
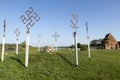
[[81, 47], [94, 44], [98, 43]]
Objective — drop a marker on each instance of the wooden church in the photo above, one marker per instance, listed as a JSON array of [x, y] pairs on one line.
[[110, 42]]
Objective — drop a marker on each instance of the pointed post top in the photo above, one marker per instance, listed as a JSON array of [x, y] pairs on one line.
[[87, 30], [4, 26], [86, 26]]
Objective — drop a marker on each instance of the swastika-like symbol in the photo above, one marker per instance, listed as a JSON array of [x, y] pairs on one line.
[[30, 18]]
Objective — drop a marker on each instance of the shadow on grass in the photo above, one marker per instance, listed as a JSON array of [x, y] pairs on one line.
[[65, 59], [13, 58]]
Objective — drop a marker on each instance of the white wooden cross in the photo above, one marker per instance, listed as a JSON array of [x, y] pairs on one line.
[[56, 36]]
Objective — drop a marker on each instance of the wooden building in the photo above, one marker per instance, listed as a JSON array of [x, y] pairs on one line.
[[109, 42]]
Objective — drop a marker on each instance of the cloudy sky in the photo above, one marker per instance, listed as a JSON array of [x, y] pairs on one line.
[[103, 16]]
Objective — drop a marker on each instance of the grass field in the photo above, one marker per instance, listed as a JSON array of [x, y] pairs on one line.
[[104, 65]]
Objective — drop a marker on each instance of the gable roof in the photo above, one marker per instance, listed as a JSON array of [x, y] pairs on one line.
[[110, 37]]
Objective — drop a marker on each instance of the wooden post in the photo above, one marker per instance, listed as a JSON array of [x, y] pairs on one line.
[[3, 45], [29, 20], [17, 47], [27, 49], [76, 51], [3, 48], [74, 25], [89, 56]]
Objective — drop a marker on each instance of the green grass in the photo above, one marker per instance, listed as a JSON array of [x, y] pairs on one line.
[[104, 65]]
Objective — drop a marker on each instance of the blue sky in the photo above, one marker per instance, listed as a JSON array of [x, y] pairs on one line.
[[103, 16]]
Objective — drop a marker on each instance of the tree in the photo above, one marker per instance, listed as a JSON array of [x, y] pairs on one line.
[[72, 46], [84, 47], [104, 41], [78, 45], [96, 43], [119, 43], [23, 44]]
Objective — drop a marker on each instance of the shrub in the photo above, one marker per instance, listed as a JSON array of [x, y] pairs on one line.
[[72, 46], [83, 47]]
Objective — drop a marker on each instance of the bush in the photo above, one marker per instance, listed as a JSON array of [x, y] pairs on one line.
[[83, 47], [72, 46]]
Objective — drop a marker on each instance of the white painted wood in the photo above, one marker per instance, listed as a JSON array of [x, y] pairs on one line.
[[17, 47], [76, 51], [3, 49], [27, 50], [89, 55]]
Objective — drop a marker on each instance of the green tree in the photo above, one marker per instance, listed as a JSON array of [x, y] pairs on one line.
[[83, 47], [72, 46], [23, 44], [78, 45], [96, 43]]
